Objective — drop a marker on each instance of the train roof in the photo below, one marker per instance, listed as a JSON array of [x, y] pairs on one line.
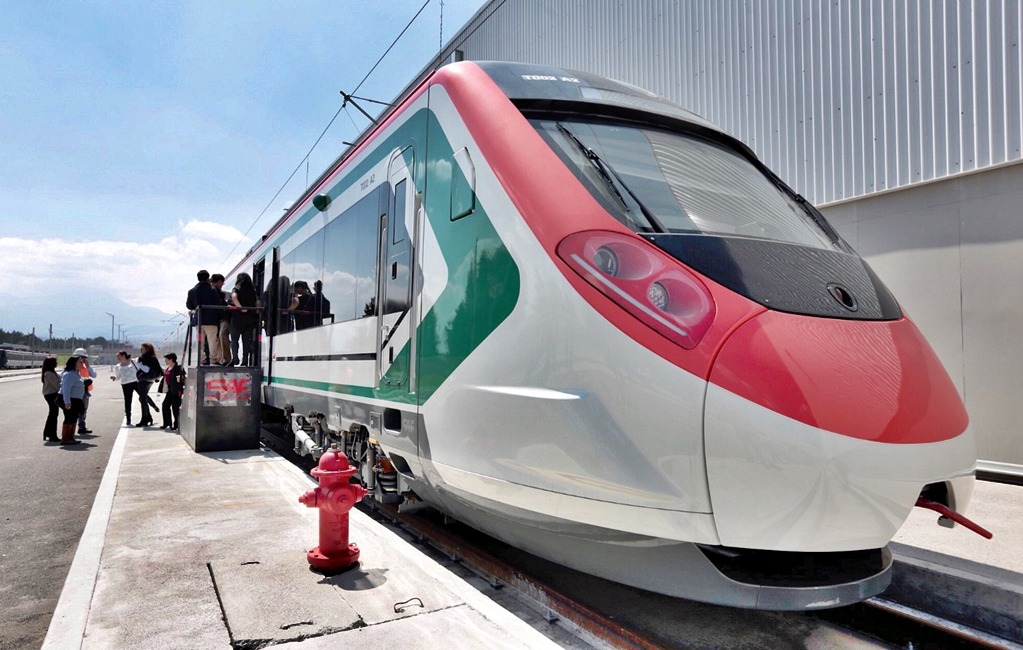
[[533, 87], [539, 87]]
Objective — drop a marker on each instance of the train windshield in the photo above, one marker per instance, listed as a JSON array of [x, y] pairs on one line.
[[658, 181]]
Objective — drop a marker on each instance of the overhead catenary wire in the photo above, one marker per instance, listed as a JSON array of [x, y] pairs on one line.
[[305, 159]]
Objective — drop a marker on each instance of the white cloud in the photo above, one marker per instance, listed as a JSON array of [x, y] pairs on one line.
[[211, 230], [145, 274]]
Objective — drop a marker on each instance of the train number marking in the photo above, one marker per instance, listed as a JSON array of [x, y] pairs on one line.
[[548, 77]]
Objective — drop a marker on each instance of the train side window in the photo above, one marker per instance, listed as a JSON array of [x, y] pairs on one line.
[[463, 185], [304, 263], [349, 260], [397, 221], [367, 228]]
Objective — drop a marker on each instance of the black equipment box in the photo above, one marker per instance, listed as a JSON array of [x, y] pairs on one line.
[[220, 410]]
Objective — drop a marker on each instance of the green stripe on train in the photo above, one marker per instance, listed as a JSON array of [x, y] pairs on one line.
[[343, 389]]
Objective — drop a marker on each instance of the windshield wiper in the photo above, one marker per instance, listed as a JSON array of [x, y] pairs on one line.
[[613, 180]]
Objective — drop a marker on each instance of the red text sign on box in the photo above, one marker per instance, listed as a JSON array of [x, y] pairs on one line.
[[227, 389]]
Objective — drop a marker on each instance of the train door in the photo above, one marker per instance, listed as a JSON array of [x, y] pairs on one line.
[[258, 280], [271, 311], [395, 279]]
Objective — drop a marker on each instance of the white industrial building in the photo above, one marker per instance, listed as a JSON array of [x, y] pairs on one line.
[[901, 120]]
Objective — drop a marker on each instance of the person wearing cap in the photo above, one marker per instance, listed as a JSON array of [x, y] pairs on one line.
[[88, 374]]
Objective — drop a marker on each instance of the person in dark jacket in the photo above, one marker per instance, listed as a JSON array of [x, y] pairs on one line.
[[173, 387], [321, 305], [149, 373], [201, 297], [244, 321], [302, 306]]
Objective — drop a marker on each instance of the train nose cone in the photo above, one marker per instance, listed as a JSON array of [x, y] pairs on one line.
[[873, 380], [821, 432]]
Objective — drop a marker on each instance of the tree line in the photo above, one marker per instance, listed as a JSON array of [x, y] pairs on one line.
[[37, 343]]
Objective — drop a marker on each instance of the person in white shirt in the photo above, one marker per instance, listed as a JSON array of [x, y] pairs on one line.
[[127, 372]]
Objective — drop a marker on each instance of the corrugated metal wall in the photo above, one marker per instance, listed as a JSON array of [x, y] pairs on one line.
[[842, 99]]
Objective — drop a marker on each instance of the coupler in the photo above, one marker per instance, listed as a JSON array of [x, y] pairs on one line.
[[334, 497]]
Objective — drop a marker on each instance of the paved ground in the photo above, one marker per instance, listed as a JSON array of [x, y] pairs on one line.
[[46, 493]]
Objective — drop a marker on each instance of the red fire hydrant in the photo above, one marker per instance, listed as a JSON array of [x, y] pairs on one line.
[[335, 497]]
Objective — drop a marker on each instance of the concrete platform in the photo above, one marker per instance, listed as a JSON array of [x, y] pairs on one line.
[[959, 575], [186, 550]]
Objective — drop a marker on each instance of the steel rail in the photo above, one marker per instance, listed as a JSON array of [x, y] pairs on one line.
[[586, 623], [956, 630]]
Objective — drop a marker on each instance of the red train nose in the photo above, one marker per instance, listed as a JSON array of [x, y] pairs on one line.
[[820, 433], [873, 380]]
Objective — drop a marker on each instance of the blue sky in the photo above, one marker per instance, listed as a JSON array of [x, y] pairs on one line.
[[138, 141]]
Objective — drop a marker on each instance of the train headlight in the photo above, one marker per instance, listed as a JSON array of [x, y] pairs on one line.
[[658, 296], [644, 281], [606, 261]]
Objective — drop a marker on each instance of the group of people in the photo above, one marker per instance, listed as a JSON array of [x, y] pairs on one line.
[[300, 306], [226, 322], [69, 391]]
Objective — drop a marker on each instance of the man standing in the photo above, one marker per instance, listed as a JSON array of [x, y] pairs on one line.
[[224, 331], [88, 374], [201, 298], [321, 306]]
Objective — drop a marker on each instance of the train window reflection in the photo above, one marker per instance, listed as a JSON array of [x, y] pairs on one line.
[[348, 281], [655, 180], [463, 185]]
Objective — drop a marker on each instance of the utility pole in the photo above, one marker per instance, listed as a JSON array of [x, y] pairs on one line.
[[111, 325], [32, 341], [49, 341]]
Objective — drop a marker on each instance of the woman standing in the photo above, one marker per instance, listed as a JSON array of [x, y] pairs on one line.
[[302, 306], [72, 392], [51, 389], [151, 372], [174, 383], [245, 321], [127, 372]]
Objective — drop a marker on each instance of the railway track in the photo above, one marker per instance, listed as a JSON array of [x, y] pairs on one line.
[[603, 614]]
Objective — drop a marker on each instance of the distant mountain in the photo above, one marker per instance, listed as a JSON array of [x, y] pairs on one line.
[[83, 315]]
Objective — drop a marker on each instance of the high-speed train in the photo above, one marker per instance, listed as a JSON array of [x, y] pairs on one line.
[[587, 322]]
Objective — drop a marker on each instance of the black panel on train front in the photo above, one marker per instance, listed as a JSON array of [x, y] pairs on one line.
[[786, 277]]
